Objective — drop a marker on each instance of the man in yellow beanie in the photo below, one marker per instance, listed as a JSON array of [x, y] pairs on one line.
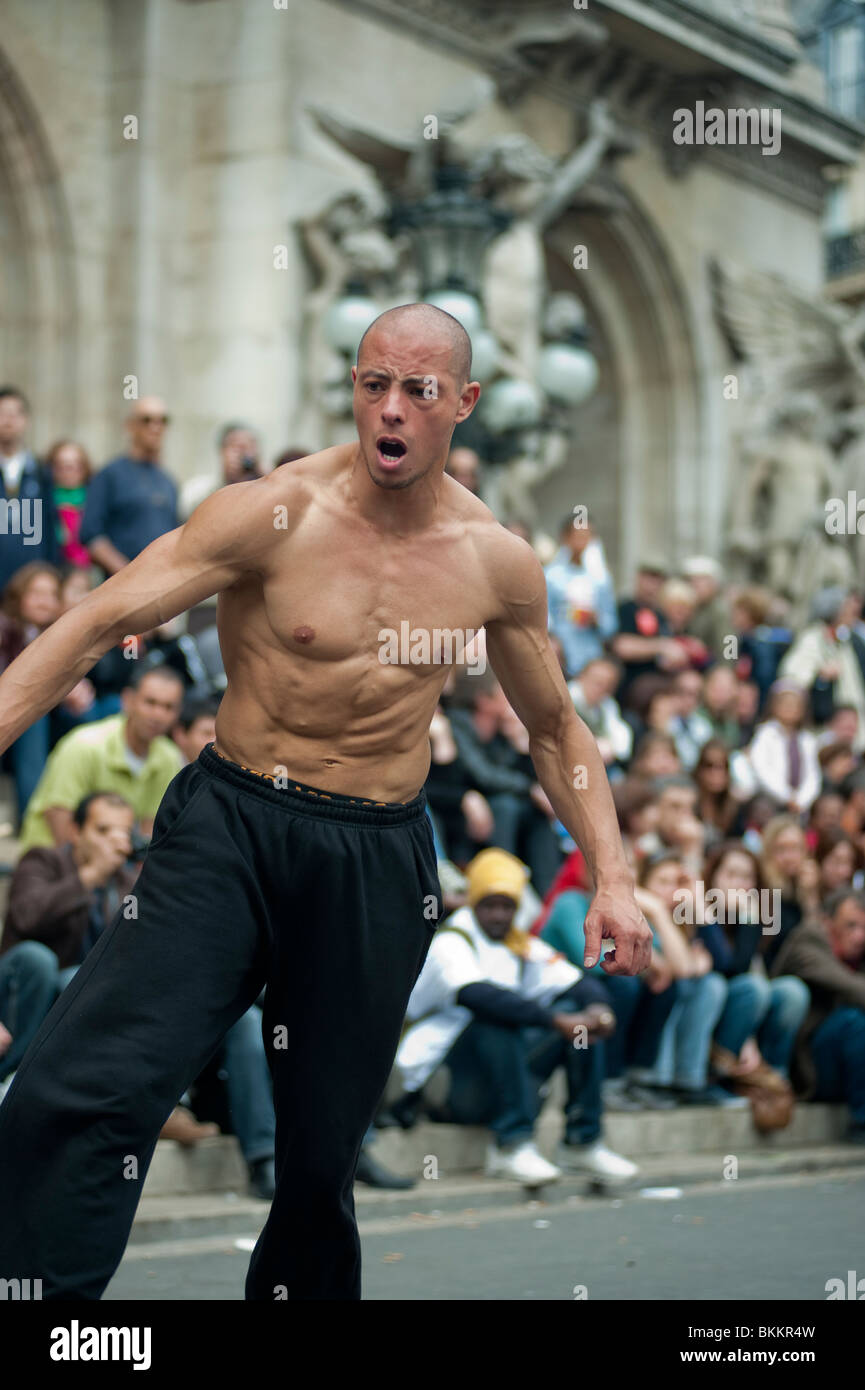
[[499, 1010]]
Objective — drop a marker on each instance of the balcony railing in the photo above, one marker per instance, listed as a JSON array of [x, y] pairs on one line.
[[845, 255]]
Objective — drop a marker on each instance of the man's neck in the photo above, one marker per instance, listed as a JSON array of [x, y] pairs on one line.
[[134, 742], [10, 451], [140, 456], [398, 510]]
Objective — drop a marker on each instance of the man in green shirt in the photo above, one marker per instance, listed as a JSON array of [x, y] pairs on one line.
[[128, 753]]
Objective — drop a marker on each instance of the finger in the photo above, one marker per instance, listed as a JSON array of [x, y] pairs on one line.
[[592, 928], [625, 959]]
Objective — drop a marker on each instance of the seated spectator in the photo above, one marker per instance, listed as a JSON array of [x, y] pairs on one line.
[[642, 1004], [783, 755], [75, 585], [128, 753], [716, 806], [710, 622], [837, 761], [748, 702], [677, 827], [719, 705], [841, 727], [826, 660], [681, 1068], [71, 471], [760, 645], [493, 748], [636, 805], [26, 485], [827, 952], [655, 756], [464, 465], [826, 814], [690, 728], [66, 896], [132, 500], [754, 816], [853, 815], [581, 596], [61, 901], [31, 603], [28, 987], [765, 1014], [461, 815], [592, 694], [643, 643], [787, 867], [839, 861], [651, 703], [171, 646], [196, 725], [495, 1012], [677, 602]]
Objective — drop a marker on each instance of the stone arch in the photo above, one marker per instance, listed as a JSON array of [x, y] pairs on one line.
[[641, 435], [38, 280]]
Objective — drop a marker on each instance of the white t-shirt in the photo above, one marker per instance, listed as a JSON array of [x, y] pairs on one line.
[[462, 954]]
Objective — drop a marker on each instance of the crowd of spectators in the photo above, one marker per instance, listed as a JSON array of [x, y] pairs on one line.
[[733, 745]]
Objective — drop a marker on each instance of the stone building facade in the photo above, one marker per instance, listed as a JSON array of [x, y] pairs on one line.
[[144, 247]]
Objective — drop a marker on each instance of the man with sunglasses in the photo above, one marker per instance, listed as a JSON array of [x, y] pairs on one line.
[[132, 500]]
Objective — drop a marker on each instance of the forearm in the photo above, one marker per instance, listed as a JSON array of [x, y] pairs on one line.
[[103, 552], [571, 771]]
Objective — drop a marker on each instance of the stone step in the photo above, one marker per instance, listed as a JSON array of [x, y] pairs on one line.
[[216, 1165], [162, 1221]]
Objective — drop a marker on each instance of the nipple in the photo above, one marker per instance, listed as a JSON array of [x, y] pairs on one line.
[[304, 634]]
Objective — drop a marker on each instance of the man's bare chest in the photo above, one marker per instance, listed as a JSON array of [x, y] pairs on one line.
[[409, 607]]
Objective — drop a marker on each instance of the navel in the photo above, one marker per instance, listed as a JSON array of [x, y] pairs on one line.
[[304, 634]]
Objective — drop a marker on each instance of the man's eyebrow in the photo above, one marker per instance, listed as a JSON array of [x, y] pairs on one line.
[[420, 378]]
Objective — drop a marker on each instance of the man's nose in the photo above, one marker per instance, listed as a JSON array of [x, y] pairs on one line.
[[392, 406]]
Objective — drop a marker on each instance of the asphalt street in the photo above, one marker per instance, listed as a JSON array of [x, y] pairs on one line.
[[779, 1238]]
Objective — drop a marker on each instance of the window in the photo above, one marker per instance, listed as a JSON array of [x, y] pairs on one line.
[[845, 68]]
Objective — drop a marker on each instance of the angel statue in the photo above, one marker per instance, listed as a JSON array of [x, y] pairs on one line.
[[803, 380]]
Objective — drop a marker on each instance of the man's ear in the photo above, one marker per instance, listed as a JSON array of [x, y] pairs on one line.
[[354, 374], [468, 400]]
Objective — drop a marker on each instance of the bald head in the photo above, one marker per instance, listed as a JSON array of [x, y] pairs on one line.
[[439, 327]]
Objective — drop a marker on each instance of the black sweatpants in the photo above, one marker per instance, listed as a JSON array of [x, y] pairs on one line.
[[329, 901]]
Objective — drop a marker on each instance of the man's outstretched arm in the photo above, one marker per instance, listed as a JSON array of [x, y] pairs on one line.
[[215, 547], [565, 755]]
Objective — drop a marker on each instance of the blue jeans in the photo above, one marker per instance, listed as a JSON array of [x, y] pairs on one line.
[[250, 1092], [772, 1011], [640, 1020], [28, 988], [683, 1054], [496, 1073], [838, 1049]]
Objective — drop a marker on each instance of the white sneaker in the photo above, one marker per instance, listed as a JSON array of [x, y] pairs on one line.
[[595, 1160], [523, 1164]]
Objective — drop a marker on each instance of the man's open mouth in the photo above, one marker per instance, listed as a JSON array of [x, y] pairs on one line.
[[390, 449]]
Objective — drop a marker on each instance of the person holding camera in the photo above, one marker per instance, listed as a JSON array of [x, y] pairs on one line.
[[61, 900], [239, 462]]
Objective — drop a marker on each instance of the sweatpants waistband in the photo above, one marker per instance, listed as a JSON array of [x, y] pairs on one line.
[[310, 801]]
